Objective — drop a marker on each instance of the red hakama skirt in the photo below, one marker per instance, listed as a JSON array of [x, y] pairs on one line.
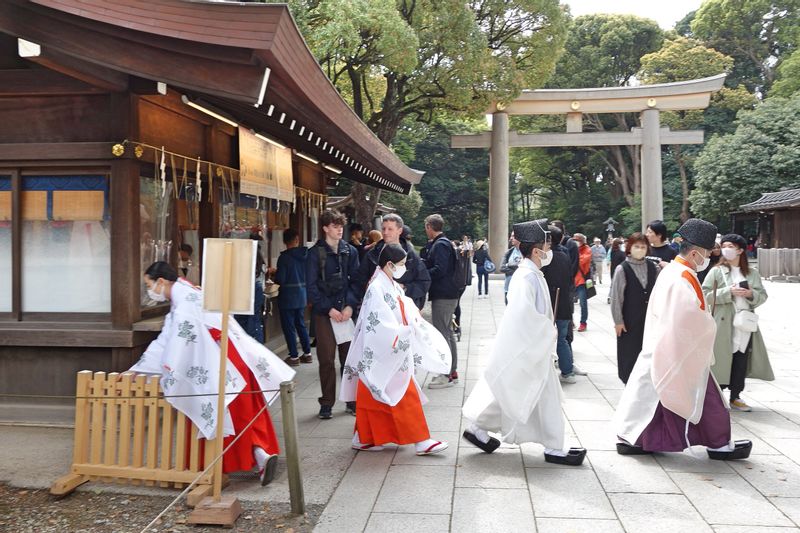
[[378, 423]]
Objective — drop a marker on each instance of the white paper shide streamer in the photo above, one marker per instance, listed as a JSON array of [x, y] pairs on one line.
[[163, 168], [198, 183]]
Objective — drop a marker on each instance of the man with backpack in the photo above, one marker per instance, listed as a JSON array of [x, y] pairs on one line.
[[441, 260], [331, 269]]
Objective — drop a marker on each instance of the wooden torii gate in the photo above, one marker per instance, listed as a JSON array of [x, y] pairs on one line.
[[648, 100]]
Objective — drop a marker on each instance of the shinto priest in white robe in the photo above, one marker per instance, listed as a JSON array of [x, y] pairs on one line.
[[187, 359], [674, 367], [519, 395], [391, 340]]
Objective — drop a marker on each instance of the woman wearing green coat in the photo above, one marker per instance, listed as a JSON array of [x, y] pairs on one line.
[[737, 352]]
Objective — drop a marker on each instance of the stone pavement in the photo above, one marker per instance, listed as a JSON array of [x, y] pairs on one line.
[[514, 489]]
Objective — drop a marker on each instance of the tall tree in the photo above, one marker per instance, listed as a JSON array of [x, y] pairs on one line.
[[605, 51], [399, 59], [762, 155], [757, 34], [682, 59]]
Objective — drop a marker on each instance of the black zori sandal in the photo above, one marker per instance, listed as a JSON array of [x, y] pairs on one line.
[[574, 457], [741, 450], [487, 447], [623, 448]]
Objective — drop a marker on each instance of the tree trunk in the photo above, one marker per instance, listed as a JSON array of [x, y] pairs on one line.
[[678, 155], [364, 208]]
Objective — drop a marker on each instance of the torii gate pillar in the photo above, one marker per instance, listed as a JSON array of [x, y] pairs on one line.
[[498, 187], [652, 183]]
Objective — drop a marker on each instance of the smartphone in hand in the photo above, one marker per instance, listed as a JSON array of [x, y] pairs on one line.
[[744, 284]]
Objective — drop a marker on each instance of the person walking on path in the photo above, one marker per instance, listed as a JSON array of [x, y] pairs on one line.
[[290, 275], [186, 356], [582, 276], [391, 341], [739, 349], [598, 259], [440, 260], [716, 257], [672, 401], [630, 293], [511, 261], [416, 280], [331, 266], [479, 258], [519, 395], [561, 283]]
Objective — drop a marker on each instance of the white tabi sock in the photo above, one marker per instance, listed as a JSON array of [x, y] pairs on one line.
[[727, 448], [558, 453], [481, 434], [260, 456]]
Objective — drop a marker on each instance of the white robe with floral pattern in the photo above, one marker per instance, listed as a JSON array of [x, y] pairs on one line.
[[391, 340], [187, 358]]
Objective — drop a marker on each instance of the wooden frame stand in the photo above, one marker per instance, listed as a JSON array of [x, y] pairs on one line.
[[222, 512]]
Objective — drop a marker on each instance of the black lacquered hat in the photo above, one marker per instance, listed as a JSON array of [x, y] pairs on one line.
[[699, 233], [533, 231]]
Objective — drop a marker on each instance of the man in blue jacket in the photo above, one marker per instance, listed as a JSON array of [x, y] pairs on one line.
[[331, 270], [440, 259], [291, 277]]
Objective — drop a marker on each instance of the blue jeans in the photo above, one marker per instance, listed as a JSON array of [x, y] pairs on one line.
[[563, 347], [580, 292], [293, 324], [483, 275]]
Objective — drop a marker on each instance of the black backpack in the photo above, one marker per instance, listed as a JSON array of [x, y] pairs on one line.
[[463, 269]]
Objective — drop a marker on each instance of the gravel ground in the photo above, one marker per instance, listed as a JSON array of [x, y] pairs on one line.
[[36, 511]]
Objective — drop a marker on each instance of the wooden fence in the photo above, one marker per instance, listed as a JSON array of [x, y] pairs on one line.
[[125, 432]]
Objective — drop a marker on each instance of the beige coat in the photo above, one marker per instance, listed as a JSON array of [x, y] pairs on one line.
[[758, 361]]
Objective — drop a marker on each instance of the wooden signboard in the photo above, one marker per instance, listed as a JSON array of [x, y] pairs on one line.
[[242, 275], [257, 168]]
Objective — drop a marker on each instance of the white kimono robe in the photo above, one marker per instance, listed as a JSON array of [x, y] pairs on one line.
[[519, 394], [187, 358], [391, 340], [676, 358]]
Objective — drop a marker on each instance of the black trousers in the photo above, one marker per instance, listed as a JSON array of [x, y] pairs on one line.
[[738, 373]]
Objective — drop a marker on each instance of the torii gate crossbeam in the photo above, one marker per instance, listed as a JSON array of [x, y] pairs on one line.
[[648, 100]]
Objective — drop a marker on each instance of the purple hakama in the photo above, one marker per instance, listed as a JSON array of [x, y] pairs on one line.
[[666, 431]]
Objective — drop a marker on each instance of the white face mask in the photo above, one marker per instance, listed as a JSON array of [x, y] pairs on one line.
[[547, 259], [156, 296], [704, 265], [399, 271], [729, 253]]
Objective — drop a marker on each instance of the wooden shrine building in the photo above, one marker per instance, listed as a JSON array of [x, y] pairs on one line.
[[132, 127]]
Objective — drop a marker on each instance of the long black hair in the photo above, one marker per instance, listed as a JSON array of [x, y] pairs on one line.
[[391, 253], [161, 269]]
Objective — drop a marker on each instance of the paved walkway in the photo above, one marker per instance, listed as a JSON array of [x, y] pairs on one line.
[[514, 489]]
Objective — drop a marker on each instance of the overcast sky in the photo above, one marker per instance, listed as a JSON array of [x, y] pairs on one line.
[[666, 13]]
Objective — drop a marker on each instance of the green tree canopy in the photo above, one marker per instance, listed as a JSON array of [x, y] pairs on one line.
[[788, 81], [762, 155], [399, 59], [757, 34]]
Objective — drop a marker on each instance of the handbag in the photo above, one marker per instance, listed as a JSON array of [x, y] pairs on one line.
[[746, 321], [591, 291], [489, 266]]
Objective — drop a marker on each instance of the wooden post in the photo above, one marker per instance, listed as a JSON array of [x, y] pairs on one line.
[[223, 359], [296, 495]]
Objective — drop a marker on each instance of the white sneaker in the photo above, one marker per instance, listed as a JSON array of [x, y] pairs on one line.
[[578, 372], [569, 378], [441, 381]]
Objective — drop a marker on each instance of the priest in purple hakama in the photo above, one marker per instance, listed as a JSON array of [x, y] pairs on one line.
[[671, 400]]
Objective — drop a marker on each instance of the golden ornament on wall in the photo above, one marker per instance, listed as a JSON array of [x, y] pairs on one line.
[[138, 151], [575, 105], [118, 150], [651, 102]]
